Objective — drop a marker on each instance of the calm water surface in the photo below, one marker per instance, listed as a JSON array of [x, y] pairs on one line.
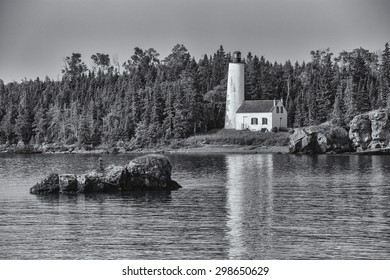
[[230, 207]]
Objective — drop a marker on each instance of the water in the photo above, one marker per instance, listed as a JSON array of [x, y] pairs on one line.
[[230, 207]]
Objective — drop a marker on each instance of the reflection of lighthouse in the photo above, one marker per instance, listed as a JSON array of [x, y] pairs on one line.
[[250, 205], [235, 90]]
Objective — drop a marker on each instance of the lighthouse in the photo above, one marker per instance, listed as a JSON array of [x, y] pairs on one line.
[[235, 90]]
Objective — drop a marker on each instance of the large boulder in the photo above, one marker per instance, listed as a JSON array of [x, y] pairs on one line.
[[319, 140], [151, 172], [148, 172], [303, 140], [370, 131], [360, 131]]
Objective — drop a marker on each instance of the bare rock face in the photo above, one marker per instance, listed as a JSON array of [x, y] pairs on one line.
[[319, 140], [360, 131], [151, 172], [370, 131]]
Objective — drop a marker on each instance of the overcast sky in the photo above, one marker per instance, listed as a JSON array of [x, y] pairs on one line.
[[36, 35]]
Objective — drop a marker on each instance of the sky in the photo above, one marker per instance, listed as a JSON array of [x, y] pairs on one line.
[[37, 35]]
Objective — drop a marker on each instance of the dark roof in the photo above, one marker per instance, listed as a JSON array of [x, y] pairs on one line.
[[256, 106]]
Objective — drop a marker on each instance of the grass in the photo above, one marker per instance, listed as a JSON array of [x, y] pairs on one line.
[[240, 137]]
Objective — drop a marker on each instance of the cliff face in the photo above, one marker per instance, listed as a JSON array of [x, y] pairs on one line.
[[370, 131]]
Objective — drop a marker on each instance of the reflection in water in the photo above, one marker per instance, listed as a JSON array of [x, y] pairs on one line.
[[308, 207], [250, 201]]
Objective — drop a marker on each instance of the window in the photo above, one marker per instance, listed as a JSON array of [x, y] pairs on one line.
[[265, 121], [281, 110], [254, 121], [277, 110]]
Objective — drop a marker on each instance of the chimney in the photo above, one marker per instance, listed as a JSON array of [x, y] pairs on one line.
[[274, 102]]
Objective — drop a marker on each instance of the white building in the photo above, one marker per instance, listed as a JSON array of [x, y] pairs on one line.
[[260, 115]]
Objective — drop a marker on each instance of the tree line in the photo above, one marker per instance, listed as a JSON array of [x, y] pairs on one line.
[[146, 101]]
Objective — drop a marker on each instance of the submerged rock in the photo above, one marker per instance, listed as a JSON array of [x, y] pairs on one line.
[[151, 172]]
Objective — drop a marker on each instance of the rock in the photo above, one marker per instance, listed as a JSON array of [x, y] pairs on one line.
[[148, 172], [360, 131], [151, 172], [68, 183], [370, 131], [102, 181], [320, 139], [49, 185], [303, 140], [322, 143], [173, 185]]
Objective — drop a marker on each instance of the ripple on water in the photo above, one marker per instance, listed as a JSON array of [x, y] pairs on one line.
[[231, 206]]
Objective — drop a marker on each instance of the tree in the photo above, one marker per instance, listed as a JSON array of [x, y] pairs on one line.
[[386, 62], [350, 101], [176, 62], [338, 114], [74, 66], [84, 131], [101, 61], [219, 68]]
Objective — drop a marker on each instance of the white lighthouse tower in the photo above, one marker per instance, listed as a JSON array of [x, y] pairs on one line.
[[235, 90]]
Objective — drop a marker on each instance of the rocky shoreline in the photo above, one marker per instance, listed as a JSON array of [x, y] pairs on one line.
[[369, 133]]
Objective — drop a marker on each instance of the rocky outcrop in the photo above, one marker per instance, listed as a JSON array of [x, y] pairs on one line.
[[151, 172], [319, 140], [48, 185], [370, 131]]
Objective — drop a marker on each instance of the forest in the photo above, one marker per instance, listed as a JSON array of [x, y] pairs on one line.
[[146, 102]]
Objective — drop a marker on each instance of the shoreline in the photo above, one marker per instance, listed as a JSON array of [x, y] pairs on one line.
[[198, 149], [204, 149]]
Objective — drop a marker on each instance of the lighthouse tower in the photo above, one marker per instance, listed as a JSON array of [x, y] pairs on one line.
[[235, 90]]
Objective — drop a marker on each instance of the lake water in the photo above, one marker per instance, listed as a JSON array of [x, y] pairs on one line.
[[260, 206]]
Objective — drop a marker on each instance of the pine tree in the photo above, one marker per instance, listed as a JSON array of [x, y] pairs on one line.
[[386, 62], [350, 102], [84, 131], [338, 114]]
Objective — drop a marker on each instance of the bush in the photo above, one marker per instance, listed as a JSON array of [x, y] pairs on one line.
[[338, 135]]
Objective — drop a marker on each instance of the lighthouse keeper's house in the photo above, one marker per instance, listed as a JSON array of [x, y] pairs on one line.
[[261, 115]]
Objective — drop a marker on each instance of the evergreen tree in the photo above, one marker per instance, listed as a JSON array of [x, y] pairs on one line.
[[338, 114]]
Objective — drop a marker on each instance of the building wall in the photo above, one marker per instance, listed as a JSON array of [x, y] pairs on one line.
[[243, 121], [235, 93], [279, 120]]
